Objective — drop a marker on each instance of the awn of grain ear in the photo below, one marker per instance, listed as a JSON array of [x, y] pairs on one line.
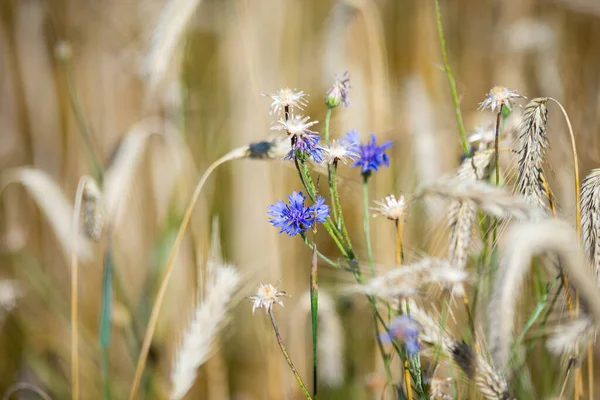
[[52, 203], [196, 344], [462, 213], [523, 241], [590, 219], [533, 143], [171, 26]]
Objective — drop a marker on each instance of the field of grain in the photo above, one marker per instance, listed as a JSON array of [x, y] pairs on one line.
[[151, 226]]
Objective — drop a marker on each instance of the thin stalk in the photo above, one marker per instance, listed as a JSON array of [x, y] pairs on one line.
[[314, 306], [329, 172], [399, 252], [82, 123], [287, 356], [75, 290], [139, 370], [105, 327], [407, 379], [577, 371], [451, 81], [338, 205], [366, 225]]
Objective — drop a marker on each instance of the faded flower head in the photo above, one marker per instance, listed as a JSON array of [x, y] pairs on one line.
[[500, 96], [338, 93], [265, 296], [405, 328], [372, 156], [303, 139], [294, 125], [294, 217], [286, 97], [339, 151], [391, 207]]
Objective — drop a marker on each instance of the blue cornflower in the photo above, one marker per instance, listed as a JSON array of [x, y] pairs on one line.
[[306, 143], [372, 156], [405, 328], [295, 217]]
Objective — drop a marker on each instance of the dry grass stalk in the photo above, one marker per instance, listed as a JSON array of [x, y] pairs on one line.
[[197, 340], [590, 219], [462, 213], [523, 241], [411, 280], [491, 199], [533, 144], [171, 25], [53, 204], [330, 345]]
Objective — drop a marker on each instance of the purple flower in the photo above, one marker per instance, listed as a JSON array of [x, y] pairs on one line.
[[405, 328], [372, 156], [306, 143], [294, 218]]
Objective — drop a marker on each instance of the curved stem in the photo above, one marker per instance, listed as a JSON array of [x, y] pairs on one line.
[[24, 386], [575, 169], [74, 289], [287, 356], [139, 370]]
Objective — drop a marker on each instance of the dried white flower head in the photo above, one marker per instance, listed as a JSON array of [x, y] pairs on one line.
[[266, 295], [286, 97], [500, 96], [339, 151], [391, 208], [295, 125]]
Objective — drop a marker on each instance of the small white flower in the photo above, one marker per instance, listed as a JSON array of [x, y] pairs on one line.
[[266, 295], [295, 125], [391, 208], [286, 97], [338, 151], [498, 96]]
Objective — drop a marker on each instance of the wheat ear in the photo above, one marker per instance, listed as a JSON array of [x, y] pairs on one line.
[[590, 219], [462, 213], [523, 241], [491, 199], [532, 152], [197, 340]]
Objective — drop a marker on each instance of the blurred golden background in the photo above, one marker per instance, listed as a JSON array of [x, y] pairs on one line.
[[156, 116]]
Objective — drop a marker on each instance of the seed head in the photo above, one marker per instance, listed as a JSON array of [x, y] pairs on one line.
[[286, 97], [339, 151], [391, 208], [500, 96], [266, 295]]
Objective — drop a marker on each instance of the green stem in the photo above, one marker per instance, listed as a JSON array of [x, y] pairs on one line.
[[287, 356], [327, 119], [451, 81], [336, 204], [314, 308], [366, 224]]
